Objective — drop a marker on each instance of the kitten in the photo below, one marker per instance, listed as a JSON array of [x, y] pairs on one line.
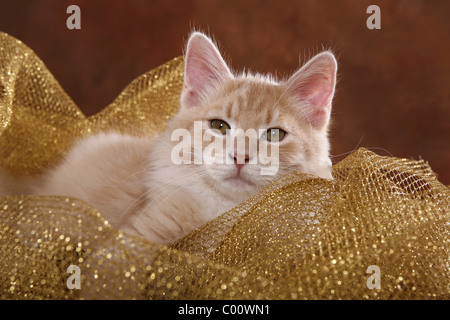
[[139, 184]]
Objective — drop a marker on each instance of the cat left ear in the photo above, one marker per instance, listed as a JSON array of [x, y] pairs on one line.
[[313, 86], [204, 67]]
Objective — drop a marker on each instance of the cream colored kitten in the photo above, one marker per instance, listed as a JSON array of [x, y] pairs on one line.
[[141, 187]]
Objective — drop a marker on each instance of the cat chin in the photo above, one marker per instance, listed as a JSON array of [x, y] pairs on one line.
[[237, 193], [236, 188], [240, 185]]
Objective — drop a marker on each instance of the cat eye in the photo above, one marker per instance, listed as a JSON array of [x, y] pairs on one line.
[[220, 125], [274, 135]]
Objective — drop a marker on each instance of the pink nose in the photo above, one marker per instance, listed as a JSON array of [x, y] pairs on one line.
[[240, 160]]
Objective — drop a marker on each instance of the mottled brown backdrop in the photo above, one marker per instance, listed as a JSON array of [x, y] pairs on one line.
[[393, 87]]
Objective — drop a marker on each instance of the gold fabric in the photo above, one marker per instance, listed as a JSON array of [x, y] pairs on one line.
[[300, 238]]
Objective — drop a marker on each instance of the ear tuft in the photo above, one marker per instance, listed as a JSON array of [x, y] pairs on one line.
[[204, 67], [314, 85]]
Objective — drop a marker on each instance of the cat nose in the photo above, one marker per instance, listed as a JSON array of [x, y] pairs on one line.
[[240, 160]]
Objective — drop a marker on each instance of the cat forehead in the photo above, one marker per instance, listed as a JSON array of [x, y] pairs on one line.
[[252, 88], [256, 99]]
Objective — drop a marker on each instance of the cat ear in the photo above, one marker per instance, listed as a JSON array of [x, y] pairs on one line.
[[313, 85], [204, 67]]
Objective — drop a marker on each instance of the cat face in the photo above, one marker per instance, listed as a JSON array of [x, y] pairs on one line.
[[245, 131]]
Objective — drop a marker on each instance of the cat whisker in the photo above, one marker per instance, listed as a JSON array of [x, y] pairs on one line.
[[138, 200], [349, 152], [382, 149], [167, 191]]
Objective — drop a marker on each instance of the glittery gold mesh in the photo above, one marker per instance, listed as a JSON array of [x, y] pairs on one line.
[[301, 237]]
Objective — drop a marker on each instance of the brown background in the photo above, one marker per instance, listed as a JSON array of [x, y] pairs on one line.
[[393, 87]]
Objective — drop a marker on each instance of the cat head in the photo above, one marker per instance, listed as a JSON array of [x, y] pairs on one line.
[[287, 120]]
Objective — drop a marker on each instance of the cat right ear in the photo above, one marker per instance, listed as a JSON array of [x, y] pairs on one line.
[[313, 86], [204, 67]]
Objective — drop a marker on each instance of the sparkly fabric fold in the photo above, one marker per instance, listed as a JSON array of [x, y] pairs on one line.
[[302, 237]]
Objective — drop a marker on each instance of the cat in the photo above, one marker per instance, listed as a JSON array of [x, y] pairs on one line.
[[136, 184]]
